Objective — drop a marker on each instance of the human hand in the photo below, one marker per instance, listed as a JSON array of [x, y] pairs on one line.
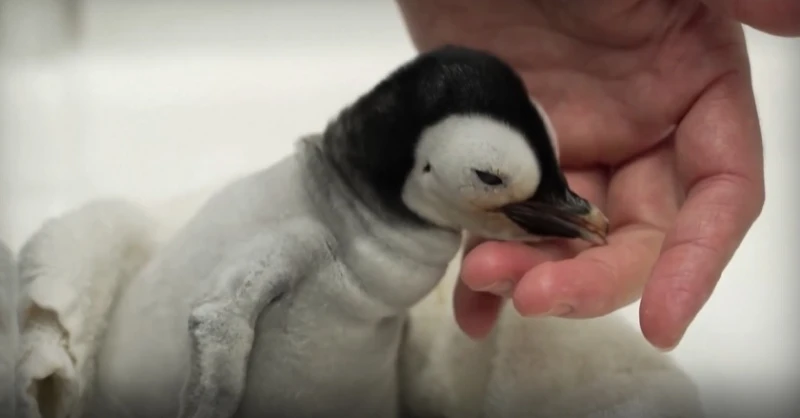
[[657, 125]]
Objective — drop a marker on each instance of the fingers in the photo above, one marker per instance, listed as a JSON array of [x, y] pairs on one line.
[[720, 157], [643, 200], [475, 312], [491, 269], [488, 266], [495, 267], [488, 275], [778, 17], [596, 282]]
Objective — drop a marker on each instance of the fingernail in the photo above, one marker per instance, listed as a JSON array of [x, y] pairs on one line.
[[561, 309], [502, 289], [667, 348], [671, 347]]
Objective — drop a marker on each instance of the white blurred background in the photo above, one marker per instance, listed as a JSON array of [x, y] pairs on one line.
[[153, 99]]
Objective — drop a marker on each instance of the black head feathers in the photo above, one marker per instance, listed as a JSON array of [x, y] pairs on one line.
[[373, 141]]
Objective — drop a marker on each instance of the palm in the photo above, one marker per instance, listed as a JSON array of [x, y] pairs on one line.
[[626, 72], [616, 77]]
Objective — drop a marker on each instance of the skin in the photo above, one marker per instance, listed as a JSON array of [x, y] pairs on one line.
[[653, 104]]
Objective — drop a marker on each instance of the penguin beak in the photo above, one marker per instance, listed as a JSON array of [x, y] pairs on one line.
[[570, 217]]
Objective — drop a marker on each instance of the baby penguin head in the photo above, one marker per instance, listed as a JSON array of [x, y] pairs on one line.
[[481, 174], [488, 163], [453, 139]]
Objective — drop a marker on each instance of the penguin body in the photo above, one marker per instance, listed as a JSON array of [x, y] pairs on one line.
[[334, 244]]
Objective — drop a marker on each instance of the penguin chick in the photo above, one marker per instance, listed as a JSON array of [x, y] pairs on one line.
[[288, 292]]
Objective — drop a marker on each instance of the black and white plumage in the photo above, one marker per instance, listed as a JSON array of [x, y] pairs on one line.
[[457, 118], [287, 294]]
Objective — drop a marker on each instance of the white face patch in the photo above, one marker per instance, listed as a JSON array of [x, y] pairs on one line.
[[444, 187], [548, 124]]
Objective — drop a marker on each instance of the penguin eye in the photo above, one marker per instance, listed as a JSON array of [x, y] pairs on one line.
[[488, 178]]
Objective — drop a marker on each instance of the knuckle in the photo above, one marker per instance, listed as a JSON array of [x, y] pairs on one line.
[[746, 192]]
